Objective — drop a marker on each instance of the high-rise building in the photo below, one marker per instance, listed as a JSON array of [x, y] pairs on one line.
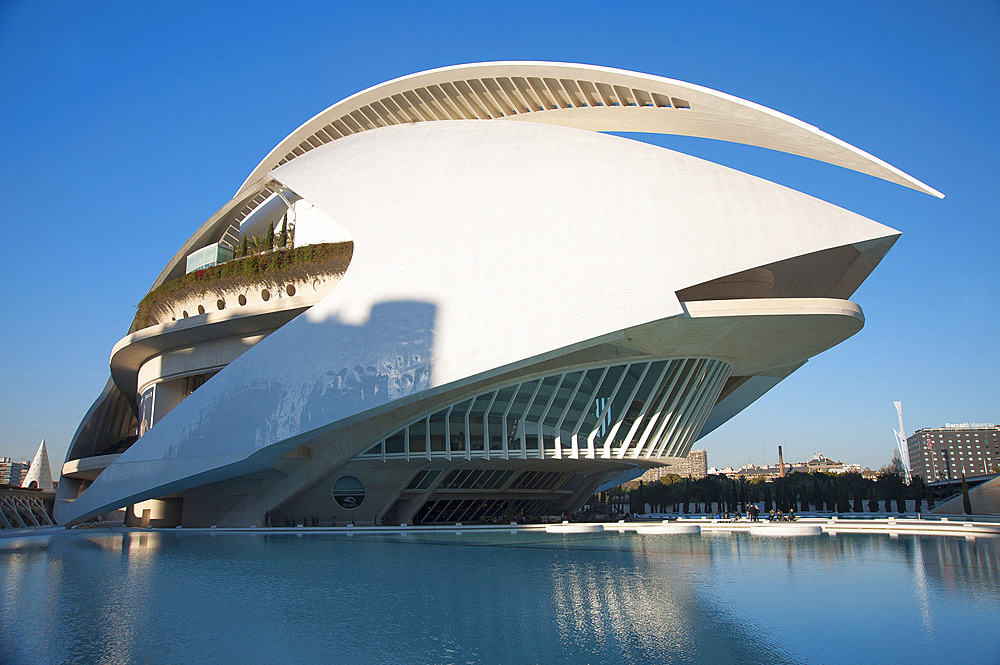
[[694, 466], [945, 453], [529, 308], [12, 472]]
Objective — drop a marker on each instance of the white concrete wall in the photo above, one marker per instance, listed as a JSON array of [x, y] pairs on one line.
[[313, 226], [478, 245]]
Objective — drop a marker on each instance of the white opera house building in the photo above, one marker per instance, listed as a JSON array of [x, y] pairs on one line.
[[454, 297]]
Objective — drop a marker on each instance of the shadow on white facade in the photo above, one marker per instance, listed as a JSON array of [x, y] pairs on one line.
[[533, 309]]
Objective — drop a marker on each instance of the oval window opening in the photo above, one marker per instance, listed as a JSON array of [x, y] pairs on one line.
[[201, 309], [265, 295], [290, 289], [242, 300], [348, 492], [221, 304]]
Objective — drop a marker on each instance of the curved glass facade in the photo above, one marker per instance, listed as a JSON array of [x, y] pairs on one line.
[[649, 409]]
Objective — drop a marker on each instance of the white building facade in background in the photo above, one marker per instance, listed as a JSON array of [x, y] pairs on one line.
[[533, 309], [11, 472]]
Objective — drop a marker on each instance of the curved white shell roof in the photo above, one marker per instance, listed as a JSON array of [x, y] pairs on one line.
[[574, 95], [483, 249]]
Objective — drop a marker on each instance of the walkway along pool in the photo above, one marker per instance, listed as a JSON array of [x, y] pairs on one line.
[[510, 595]]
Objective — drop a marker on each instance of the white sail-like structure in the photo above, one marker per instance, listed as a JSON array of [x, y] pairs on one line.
[[533, 308], [901, 446]]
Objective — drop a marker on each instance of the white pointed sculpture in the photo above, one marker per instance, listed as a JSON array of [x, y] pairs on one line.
[[39, 472]]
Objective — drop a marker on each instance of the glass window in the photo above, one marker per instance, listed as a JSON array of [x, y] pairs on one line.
[[596, 406], [561, 400], [418, 437], [437, 427], [522, 400], [348, 492], [146, 409], [395, 443], [535, 411], [416, 480], [457, 426], [476, 421], [494, 421], [582, 399], [429, 479]]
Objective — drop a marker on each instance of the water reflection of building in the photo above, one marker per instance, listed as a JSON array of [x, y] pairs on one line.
[[957, 565], [531, 309]]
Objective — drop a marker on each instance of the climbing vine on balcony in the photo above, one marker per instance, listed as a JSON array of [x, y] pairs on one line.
[[272, 268]]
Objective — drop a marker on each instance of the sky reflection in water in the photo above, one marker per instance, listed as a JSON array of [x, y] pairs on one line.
[[497, 598]]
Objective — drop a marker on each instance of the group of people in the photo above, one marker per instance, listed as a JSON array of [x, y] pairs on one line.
[[753, 515]]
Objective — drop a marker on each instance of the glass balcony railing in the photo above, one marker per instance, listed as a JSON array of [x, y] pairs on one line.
[[206, 257]]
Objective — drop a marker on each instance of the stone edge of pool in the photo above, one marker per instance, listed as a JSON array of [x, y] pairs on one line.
[[947, 526]]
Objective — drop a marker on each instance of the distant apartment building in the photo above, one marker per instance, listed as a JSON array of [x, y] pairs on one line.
[[945, 453], [694, 466], [11, 473]]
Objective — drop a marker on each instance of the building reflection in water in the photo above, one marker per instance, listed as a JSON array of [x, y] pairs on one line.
[[122, 597]]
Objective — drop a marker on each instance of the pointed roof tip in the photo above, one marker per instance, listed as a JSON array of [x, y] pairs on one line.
[[39, 472]]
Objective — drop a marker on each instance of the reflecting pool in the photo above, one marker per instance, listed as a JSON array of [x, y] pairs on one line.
[[497, 597]]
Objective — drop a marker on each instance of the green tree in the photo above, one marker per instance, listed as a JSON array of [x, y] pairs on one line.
[[283, 240], [256, 245], [842, 505], [917, 485], [966, 501], [270, 236], [243, 248]]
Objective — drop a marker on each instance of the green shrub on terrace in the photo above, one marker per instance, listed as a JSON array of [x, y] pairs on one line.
[[259, 270]]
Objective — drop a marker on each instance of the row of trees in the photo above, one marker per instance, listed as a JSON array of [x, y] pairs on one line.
[[844, 493], [269, 241]]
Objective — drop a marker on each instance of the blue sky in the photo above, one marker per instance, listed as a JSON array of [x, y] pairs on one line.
[[125, 126]]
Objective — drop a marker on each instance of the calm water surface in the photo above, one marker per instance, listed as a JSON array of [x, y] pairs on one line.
[[133, 597]]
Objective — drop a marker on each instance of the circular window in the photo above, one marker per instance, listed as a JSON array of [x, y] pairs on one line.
[[221, 304], [184, 314], [242, 300], [201, 309], [265, 295], [290, 289], [348, 492]]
